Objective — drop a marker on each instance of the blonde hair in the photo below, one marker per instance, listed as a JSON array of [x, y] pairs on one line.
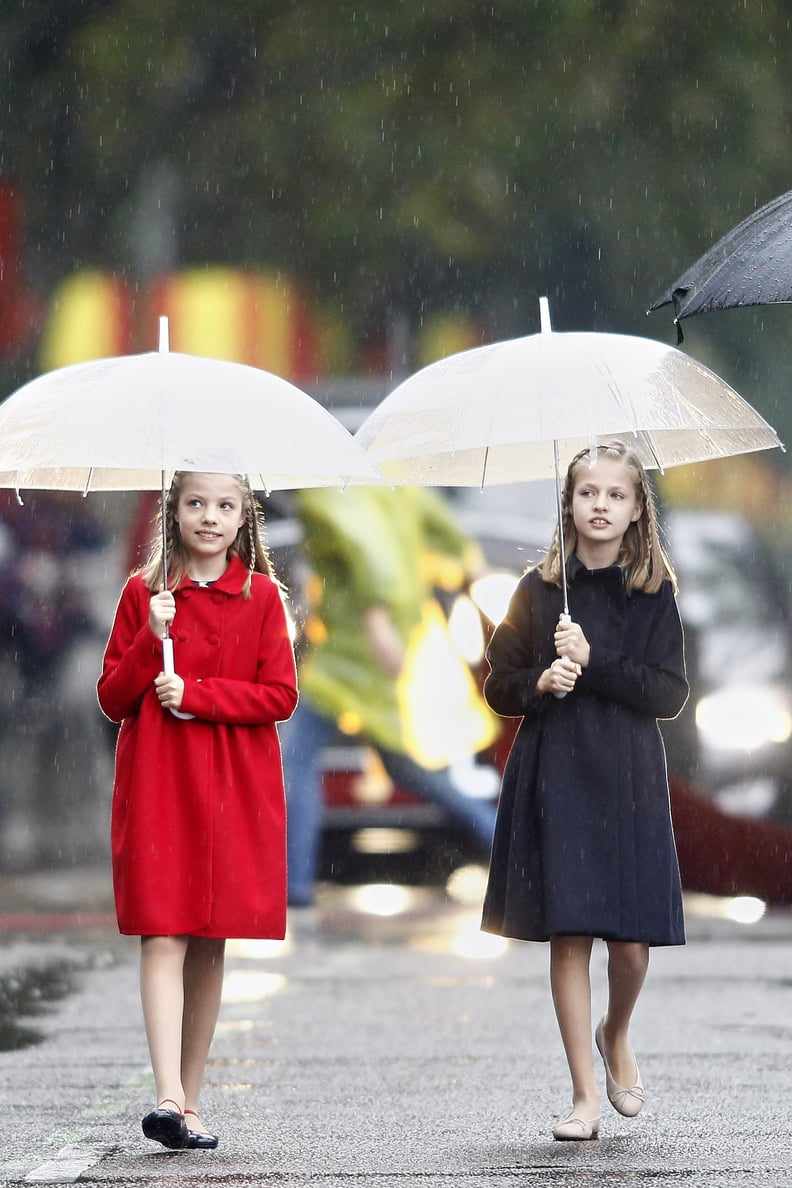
[[645, 562], [248, 545]]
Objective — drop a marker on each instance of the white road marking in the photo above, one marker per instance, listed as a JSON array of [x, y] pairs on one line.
[[68, 1164]]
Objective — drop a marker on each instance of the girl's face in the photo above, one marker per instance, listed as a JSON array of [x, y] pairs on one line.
[[210, 512], [604, 504]]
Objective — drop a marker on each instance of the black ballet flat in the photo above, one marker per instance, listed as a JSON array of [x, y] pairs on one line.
[[166, 1127], [197, 1140], [201, 1142]]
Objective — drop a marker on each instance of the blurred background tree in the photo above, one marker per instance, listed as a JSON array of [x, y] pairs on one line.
[[403, 159]]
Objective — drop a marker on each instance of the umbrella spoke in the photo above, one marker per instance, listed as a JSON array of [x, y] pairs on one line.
[[484, 468]]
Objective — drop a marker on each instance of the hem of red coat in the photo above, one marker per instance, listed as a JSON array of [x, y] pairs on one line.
[[272, 933]]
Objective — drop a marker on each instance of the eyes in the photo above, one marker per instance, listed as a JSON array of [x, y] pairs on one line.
[[591, 493], [225, 504]]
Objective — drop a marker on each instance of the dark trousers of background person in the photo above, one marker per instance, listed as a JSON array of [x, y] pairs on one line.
[[303, 738]]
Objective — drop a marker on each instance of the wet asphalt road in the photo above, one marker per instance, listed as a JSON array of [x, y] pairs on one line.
[[381, 1051]]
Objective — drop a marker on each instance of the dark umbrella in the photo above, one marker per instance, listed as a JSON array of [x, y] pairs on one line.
[[750, 265]]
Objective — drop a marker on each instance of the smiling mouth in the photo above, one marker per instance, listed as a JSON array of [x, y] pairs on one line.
[[600, 523]]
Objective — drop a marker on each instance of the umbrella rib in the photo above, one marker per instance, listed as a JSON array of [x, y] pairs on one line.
[[650, 445], [484, 467]]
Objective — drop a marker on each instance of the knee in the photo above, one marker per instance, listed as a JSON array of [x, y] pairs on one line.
[[159, 954], [156, 945], [209, 950], [564, 949], [628, 958]]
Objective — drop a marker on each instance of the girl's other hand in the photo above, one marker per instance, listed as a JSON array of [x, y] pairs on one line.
[[570, 641], [560, 677], [170, 690], [162, 612]]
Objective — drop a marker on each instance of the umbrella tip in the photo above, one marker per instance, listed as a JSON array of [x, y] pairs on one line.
[[164, 335], [544, 315]]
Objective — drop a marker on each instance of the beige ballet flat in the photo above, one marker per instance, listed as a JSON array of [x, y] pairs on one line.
[[572, 1129], [628, 1102]]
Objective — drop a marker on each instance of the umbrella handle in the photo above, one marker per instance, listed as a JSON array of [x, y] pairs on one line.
[[565, 618], [169, 670]]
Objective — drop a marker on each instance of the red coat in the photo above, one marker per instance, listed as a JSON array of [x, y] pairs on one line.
[[199, 822]]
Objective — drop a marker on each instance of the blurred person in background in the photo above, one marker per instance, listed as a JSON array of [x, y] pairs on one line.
[[376, 663], [51, 562]]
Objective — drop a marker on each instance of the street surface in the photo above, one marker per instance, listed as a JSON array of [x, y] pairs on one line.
[[402, 1049]]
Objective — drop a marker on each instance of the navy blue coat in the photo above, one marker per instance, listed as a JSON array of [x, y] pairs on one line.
[[583, 842]]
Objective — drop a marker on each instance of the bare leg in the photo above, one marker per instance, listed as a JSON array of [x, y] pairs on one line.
[[628, 963], [570, 983], [162, 996], [203, 987]]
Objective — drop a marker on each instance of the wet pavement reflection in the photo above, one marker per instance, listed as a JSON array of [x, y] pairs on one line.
[[26, 993], [388, 1042]]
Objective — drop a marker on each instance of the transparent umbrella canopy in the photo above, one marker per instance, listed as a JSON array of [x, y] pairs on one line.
[[520, 409], [492, 414], [119, 424]]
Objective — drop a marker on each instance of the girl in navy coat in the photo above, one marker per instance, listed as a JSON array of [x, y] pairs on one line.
[[583, 843]]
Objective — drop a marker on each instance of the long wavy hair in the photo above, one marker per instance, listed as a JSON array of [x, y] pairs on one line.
[[249, 544], [645, 562]]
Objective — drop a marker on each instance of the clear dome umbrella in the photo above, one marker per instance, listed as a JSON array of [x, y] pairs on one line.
[[521, 409]]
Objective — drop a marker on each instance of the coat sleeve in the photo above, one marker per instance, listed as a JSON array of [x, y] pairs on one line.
[[133, 656], [656, 684], [513, 655], [271, 696]]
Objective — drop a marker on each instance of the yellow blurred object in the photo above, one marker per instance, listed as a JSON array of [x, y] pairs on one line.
[[89, 318], [746, 483], [226, 313], [439, 569], [207, 312], [444, 334], [314, 630], [349, 722], [444, 717], [253, 317]]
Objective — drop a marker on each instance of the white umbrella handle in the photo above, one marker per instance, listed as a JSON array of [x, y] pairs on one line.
[[169, 670], [565, 618]]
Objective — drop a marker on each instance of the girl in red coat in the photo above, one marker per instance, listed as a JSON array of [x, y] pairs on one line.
[[198, 819]]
